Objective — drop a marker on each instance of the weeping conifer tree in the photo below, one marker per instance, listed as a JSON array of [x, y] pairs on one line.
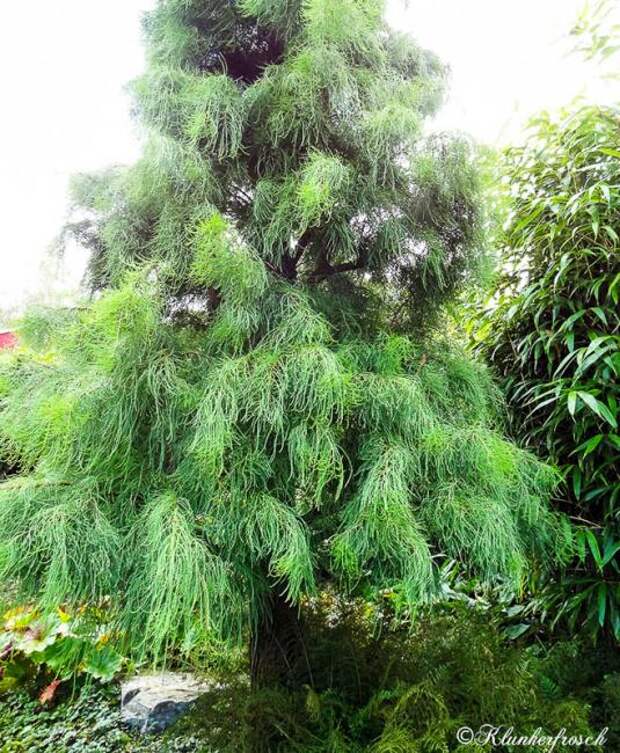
[[256, 403]]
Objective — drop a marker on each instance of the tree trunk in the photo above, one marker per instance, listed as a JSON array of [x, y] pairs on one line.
[[277, 651]]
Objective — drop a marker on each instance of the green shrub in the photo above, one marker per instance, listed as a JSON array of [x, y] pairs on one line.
[[589, 673], [552, 333], [40, 650]]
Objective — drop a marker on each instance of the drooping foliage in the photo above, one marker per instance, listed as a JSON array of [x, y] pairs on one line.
[[253, 403], [183, 473], [553, 332]]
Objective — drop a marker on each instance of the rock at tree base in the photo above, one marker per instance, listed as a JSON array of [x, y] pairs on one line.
[[151, 703]]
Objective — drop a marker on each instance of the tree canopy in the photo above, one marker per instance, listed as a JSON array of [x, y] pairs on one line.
[[255, 401], [301, 123]]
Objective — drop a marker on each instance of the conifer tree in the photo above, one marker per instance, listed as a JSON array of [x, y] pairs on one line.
[[256, 403]]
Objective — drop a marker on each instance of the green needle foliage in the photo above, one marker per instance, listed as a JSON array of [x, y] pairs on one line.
[[253, 405]]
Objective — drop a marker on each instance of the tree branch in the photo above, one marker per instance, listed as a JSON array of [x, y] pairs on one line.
[[325, 269], [291, 261]]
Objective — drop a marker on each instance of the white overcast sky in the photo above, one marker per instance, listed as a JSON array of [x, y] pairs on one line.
[[64, 64]]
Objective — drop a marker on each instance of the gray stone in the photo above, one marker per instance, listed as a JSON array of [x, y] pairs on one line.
[[151, 703]]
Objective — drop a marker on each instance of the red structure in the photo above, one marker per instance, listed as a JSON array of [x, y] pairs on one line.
[[7, 340]]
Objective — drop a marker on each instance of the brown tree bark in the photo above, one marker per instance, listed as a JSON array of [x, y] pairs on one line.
[[277, 652]]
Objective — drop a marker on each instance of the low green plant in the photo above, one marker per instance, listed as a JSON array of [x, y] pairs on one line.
[[85, 722], [587, 672], [367, 684], [39, 650], [375, 688]]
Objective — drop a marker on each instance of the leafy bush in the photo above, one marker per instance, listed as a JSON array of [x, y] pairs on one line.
[[553, 333], [40, 650]]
